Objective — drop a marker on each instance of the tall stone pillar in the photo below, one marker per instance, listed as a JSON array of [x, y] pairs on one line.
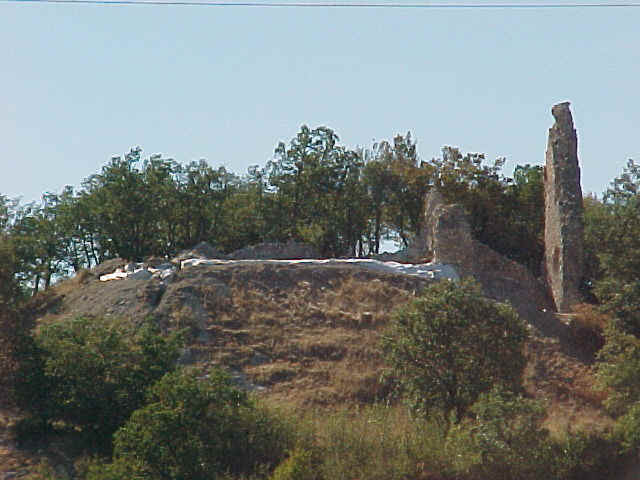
[[564, 221]]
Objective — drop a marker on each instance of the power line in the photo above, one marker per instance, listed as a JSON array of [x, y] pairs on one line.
[[271, 4]]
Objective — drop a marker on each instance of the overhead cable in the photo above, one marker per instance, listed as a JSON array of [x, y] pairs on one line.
[[271, 4]]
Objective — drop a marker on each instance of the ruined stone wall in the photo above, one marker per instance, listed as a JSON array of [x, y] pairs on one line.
[[564, 222], [446, 238]]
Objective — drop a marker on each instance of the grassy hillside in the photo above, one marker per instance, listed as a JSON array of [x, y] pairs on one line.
[[305, 340]]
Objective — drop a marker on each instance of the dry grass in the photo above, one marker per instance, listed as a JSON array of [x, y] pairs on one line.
[[373, 442], [313, 343], [311, 337], [587, 326]]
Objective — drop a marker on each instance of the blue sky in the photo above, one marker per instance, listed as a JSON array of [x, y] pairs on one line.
[[81, 83]]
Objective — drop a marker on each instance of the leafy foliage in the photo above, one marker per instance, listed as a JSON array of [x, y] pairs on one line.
[[619, 369], [194, 428], [505, 439], [451, 344], [612, 241], [93, 372]]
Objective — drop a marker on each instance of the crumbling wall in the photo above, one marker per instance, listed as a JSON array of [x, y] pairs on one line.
[[446, 239], [564, 221]]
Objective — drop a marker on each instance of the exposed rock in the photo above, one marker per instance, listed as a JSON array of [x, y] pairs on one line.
[[564, 222], [278, 251]]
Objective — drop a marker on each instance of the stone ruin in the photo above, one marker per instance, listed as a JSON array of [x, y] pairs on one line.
[[564, 221], [446, 239]]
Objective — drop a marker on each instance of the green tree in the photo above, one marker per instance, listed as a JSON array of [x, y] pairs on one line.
[[618, 369], [194, 428], [203, 193], [316, 184], [92, 372], [451, 344], [12, 322], [618, 372], [123, 207], [505, 214], [597, 224], [523, 208], [504, 440], [612, 241]]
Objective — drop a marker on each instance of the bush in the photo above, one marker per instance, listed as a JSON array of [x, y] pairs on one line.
[[451, 344], [504, 440], [618, 369], [92, 372], [586, 456], [194, 428], [621, 301]]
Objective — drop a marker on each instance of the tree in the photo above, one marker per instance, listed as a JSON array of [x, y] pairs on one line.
[[612, 243], [451, 344], [316, 183], [505, 439], [92, 373], [618, 369], [12, 324], [505, 214], [196, 429], [123, 207], [618, 372]]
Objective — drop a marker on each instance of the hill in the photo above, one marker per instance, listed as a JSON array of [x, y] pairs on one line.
[[300, 335]]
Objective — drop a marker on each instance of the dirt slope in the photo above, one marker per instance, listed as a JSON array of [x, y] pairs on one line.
[[302, 334]]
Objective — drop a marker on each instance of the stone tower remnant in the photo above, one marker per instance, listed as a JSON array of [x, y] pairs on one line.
[[446, 239], [564, 222]]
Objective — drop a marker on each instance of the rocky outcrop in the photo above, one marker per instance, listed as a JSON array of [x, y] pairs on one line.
[[564, 222]]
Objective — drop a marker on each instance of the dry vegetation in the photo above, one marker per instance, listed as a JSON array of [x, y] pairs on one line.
[[309, 344], [306, 341]]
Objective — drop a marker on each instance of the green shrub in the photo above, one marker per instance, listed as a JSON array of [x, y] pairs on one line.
[[451, 344], [194, 429], [504, 441], [627, 429], [92, 372], [618, 369], [584, 456]]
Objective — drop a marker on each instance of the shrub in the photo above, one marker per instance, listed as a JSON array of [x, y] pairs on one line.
[[627, 429], [93, 372], [194, 428], [504, 440], [451, 344], [586, 456], [618, 369]]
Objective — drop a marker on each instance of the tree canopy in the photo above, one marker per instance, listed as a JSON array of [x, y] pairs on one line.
[[314, 189], [450, 344]]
